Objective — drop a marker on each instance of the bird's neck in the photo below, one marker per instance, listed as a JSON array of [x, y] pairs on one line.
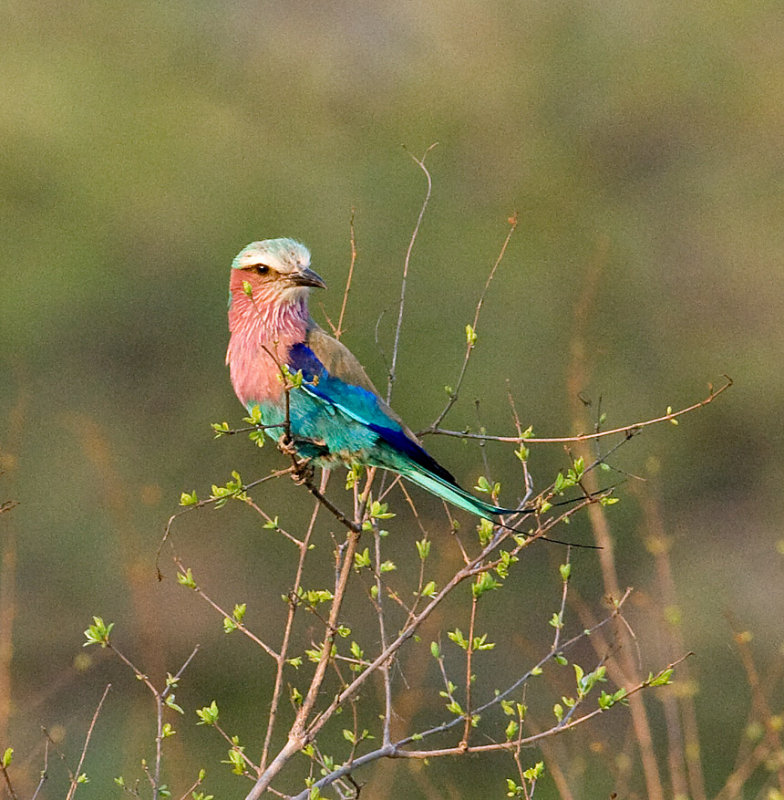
[[263, 330]]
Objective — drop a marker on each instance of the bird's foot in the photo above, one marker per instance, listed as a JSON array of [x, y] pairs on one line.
[[302, 473], [286, 446], [302, 470]]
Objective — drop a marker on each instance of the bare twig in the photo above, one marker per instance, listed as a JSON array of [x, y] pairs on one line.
[[75, 777], [471, 339], [44, 772], [339, 329], [401, 304], [284, 647]]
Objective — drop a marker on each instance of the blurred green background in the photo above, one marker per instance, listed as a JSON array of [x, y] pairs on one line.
[[143, 144]]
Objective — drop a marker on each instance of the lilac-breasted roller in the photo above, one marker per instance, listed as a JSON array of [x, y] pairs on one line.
[[336, 417]]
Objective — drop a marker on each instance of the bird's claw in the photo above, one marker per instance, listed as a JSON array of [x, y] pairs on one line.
[[286, 446], [302, 473]]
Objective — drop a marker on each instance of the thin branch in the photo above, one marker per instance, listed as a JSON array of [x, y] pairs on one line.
[[284, 647], [396, 750], [401, 304], [379, 605], [44, 772], [223, 612], [468, 676], [75, 777], [471, 339], [582, 437], [339, 328], [7, 778]]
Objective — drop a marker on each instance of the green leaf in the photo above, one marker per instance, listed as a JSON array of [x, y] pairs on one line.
[[457, 637], [485, 531], [208, 715], [189, 499], [608, 700], [314, 597], [435, 650], [507, 559], [379, 511], [566, 571], [8, 756], [254, 417], [98, 633], [429, 589], [169, 701], [353, 475], [423, 548], [484, 583], [186, 579], [481, 643], [662, 679], [455, 708], [483, 485], [470, 335], [534, 772], [220, 428], [257, 437]]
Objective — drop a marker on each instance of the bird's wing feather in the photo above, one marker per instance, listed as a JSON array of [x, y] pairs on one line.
[[341, 363], [360, 404]]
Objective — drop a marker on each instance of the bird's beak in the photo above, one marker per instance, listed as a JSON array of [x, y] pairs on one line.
[[307, 277]]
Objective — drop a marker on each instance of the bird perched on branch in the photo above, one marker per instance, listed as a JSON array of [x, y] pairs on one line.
[[335, 416]]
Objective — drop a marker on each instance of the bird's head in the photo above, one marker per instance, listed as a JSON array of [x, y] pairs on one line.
[[274, 271]]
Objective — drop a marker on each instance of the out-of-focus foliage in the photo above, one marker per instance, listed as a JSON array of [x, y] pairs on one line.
[[143, 144]]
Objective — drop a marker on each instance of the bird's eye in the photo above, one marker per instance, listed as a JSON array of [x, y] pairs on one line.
[[260, 269]]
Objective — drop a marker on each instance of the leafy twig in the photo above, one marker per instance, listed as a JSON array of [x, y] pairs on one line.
[[582, 437]]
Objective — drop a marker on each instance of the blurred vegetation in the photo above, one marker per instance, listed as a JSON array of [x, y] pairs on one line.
[[145, 143]]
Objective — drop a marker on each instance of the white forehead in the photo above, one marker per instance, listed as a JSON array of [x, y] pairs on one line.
[[282, 255]]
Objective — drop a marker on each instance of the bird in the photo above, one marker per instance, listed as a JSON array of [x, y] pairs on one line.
[[335, 416]]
